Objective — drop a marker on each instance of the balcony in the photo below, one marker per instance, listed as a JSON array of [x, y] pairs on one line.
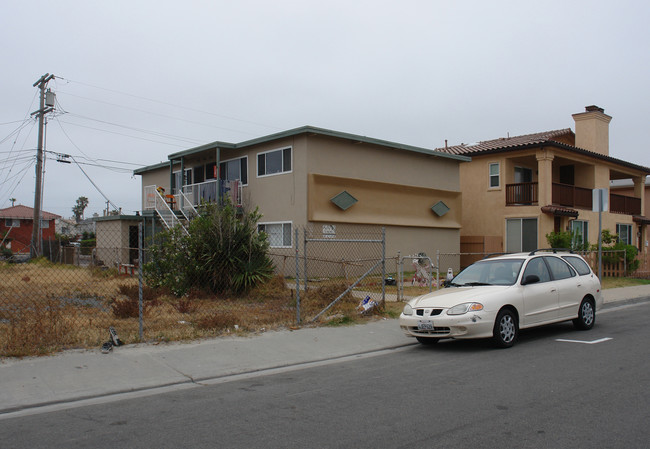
[[621, 204], [206, 192], [572, 196], [524, 193], [195, 194]]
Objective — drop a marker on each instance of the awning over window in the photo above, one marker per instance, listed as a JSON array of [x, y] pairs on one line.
[[560, 211]]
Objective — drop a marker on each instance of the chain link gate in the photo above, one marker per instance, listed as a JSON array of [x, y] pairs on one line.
[[339, 269]]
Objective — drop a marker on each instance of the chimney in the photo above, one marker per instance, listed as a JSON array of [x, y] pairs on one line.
[[592, 130]]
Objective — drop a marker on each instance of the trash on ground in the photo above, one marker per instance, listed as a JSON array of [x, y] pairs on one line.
[[367, 305]]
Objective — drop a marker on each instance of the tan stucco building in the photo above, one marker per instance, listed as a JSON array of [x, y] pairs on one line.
[[519, 189], [323, 178]]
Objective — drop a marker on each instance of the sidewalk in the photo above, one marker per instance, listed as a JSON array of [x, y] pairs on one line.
[[82, 374]]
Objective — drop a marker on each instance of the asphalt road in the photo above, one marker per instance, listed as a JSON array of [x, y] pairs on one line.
[[543, 393]]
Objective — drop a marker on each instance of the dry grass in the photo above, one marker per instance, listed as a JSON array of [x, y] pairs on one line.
[[45, 308]]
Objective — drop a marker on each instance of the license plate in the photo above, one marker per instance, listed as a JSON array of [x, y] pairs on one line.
[[425, 325]]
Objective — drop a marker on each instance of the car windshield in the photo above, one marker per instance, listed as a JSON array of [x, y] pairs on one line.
[[489, 272]]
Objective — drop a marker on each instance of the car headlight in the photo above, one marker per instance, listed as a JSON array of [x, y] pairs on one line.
[[408, 310], [464, 308]]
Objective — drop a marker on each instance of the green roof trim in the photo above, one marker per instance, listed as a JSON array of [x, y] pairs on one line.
[[440, 208], [344, 200], [318, 131]]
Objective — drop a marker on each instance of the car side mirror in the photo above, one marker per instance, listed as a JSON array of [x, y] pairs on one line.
[[530, 279]]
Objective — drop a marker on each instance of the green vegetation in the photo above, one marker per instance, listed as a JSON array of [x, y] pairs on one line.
[[616, 250], [222, 253]]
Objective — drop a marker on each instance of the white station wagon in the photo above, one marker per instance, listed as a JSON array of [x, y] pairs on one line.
[[497, 296]]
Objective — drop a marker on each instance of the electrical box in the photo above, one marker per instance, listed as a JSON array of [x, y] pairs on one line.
[[49, 98]]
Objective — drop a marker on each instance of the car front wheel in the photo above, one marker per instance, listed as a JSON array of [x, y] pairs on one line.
[[505, 330], [586, 315]]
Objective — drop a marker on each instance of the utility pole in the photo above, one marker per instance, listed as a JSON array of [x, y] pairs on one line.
[[43, 109]]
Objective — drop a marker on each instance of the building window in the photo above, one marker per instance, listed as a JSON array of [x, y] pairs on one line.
[[521, 234], [235, 170], [12, 222], [45, 224], [580, 233], [494, 175], [279, 234], [624, 232], [274, 162], [178, 182]]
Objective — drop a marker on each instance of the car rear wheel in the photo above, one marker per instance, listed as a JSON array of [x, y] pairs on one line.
[[586, 315], [505, 330], [427, 340]]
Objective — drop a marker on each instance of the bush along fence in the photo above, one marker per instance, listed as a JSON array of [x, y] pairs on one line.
[[219, 278]]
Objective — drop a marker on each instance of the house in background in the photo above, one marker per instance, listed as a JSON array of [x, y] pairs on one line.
[[516, 190], [330, 180], [16, 225]]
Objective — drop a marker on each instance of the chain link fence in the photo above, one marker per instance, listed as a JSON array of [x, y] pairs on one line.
[[70, 297]]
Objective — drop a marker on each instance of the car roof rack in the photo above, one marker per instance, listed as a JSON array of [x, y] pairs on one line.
[[496, 254], [554, 250]]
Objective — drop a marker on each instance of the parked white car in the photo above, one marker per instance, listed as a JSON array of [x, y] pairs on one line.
[[497, 296]]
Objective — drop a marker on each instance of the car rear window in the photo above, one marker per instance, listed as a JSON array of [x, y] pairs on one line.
[[559, 268], [580, 265]]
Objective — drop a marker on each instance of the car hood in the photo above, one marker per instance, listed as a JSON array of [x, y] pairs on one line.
[[451, 296]]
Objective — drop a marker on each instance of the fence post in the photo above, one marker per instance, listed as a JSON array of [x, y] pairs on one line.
[[437, 269], [140, 251], [400, 276], [383, 266], [304, 251], [297, 279]]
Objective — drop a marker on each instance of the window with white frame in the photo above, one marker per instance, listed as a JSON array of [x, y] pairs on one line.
[[521, 234], [495, 179], [45, 224], [624, 232], [12, 223], [279, 234], [235, 170], [274, 162], [580, 233]]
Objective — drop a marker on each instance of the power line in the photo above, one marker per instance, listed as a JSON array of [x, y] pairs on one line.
[[157, 114], [119, 134], [171, 104], [95, 185], [144, 131]]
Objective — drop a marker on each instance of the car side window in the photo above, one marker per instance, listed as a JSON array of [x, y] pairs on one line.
[[559, 268], [537, 267], [580, 265]]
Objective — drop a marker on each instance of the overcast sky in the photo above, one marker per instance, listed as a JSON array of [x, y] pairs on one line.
[[138, 80]]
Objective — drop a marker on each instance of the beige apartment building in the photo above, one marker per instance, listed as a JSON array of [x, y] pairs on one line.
[[518, 189], [329, 180]]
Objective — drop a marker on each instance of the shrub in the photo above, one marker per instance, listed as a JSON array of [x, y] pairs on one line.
[[223, 252]]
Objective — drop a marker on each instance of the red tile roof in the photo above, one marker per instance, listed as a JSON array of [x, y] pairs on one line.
[[561, 138], [561, 211], [25, 213], [508, 142]]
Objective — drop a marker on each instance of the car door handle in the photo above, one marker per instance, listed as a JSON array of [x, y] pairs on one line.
[[553, 290]]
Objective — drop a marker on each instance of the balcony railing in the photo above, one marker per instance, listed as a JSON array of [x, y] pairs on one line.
[[621, 204], [523, 193], [572, 196], [208, 191]]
